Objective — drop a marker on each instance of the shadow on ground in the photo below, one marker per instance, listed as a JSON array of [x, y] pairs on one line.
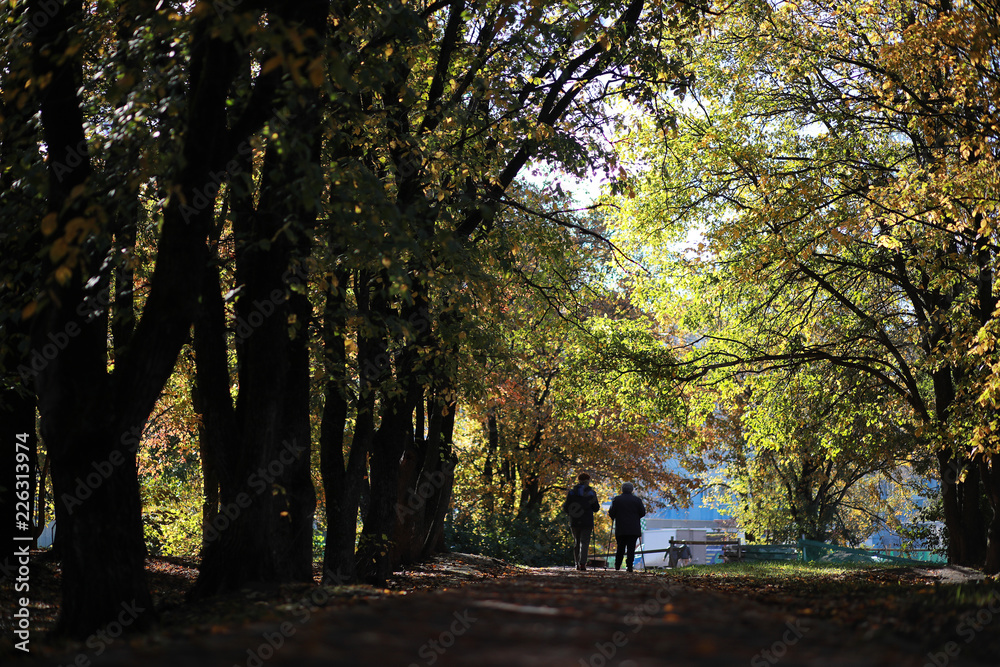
[[478, 612]]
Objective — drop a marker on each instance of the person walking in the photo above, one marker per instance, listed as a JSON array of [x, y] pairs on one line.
[[581, 504], [626, 510]]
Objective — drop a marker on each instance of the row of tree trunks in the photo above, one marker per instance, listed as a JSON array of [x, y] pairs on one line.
[[267, 499], [257, 451], [411, 462], [91, 420], [427, 477], [99, 529]]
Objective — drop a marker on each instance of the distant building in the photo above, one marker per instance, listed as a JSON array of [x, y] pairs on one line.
[[699, 522]]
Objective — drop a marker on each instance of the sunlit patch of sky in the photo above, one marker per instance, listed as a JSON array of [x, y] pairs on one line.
[[586, 192]]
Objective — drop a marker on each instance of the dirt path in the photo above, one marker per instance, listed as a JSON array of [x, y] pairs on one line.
[[538, 617]]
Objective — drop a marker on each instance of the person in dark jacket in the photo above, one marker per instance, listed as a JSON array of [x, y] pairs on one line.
[[626, 510], [581, 504]]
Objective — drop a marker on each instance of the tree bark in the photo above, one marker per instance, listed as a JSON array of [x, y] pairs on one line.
[[342, 480], [218, 435], [377, 552], [91, 422], [97, 496], [990, 471]]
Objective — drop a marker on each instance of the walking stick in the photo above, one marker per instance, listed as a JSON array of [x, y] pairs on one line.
[[641, 550], [608, 550], [642, 547]]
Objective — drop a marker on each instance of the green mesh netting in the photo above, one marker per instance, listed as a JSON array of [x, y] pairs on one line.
[[829, 553], [769, 552]]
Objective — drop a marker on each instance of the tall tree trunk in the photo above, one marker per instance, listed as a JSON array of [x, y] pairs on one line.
[[294, 201], [249, 549], [217, 431], [949, 471], [377, 553], [342, 480], [269, 499], [530, 502], [441, 474], [299, 495], [974, 524], [492, 446], [989, 464], [427, 472], [94, 476], [990, 471]]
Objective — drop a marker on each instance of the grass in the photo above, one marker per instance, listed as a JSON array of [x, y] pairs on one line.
[[909, 604], [778, 569]]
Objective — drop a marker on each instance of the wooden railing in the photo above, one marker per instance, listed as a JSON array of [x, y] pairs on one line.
[[680, 543]]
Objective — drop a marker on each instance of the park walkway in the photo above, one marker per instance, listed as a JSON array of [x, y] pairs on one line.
[[548, 617]]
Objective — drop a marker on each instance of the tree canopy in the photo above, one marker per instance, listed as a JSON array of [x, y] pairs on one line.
[[297, 251], [839, 163]]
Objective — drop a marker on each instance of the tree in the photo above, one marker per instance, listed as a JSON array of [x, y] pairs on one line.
[[565, 378], [256, 154], [261, 445], [807, 453], [453, 95], [823, 180], [92, 416]]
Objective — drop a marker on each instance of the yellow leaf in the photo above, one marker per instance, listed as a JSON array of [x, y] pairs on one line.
[[77, 191], [49, 223], [76, 226], [63, 274], [316, 74], [271, 64], [202, 9], [29, 310], [126, 81], [58, 250]]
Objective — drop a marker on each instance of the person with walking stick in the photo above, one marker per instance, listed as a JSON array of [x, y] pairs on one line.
[[626, 512], [581, 504]]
